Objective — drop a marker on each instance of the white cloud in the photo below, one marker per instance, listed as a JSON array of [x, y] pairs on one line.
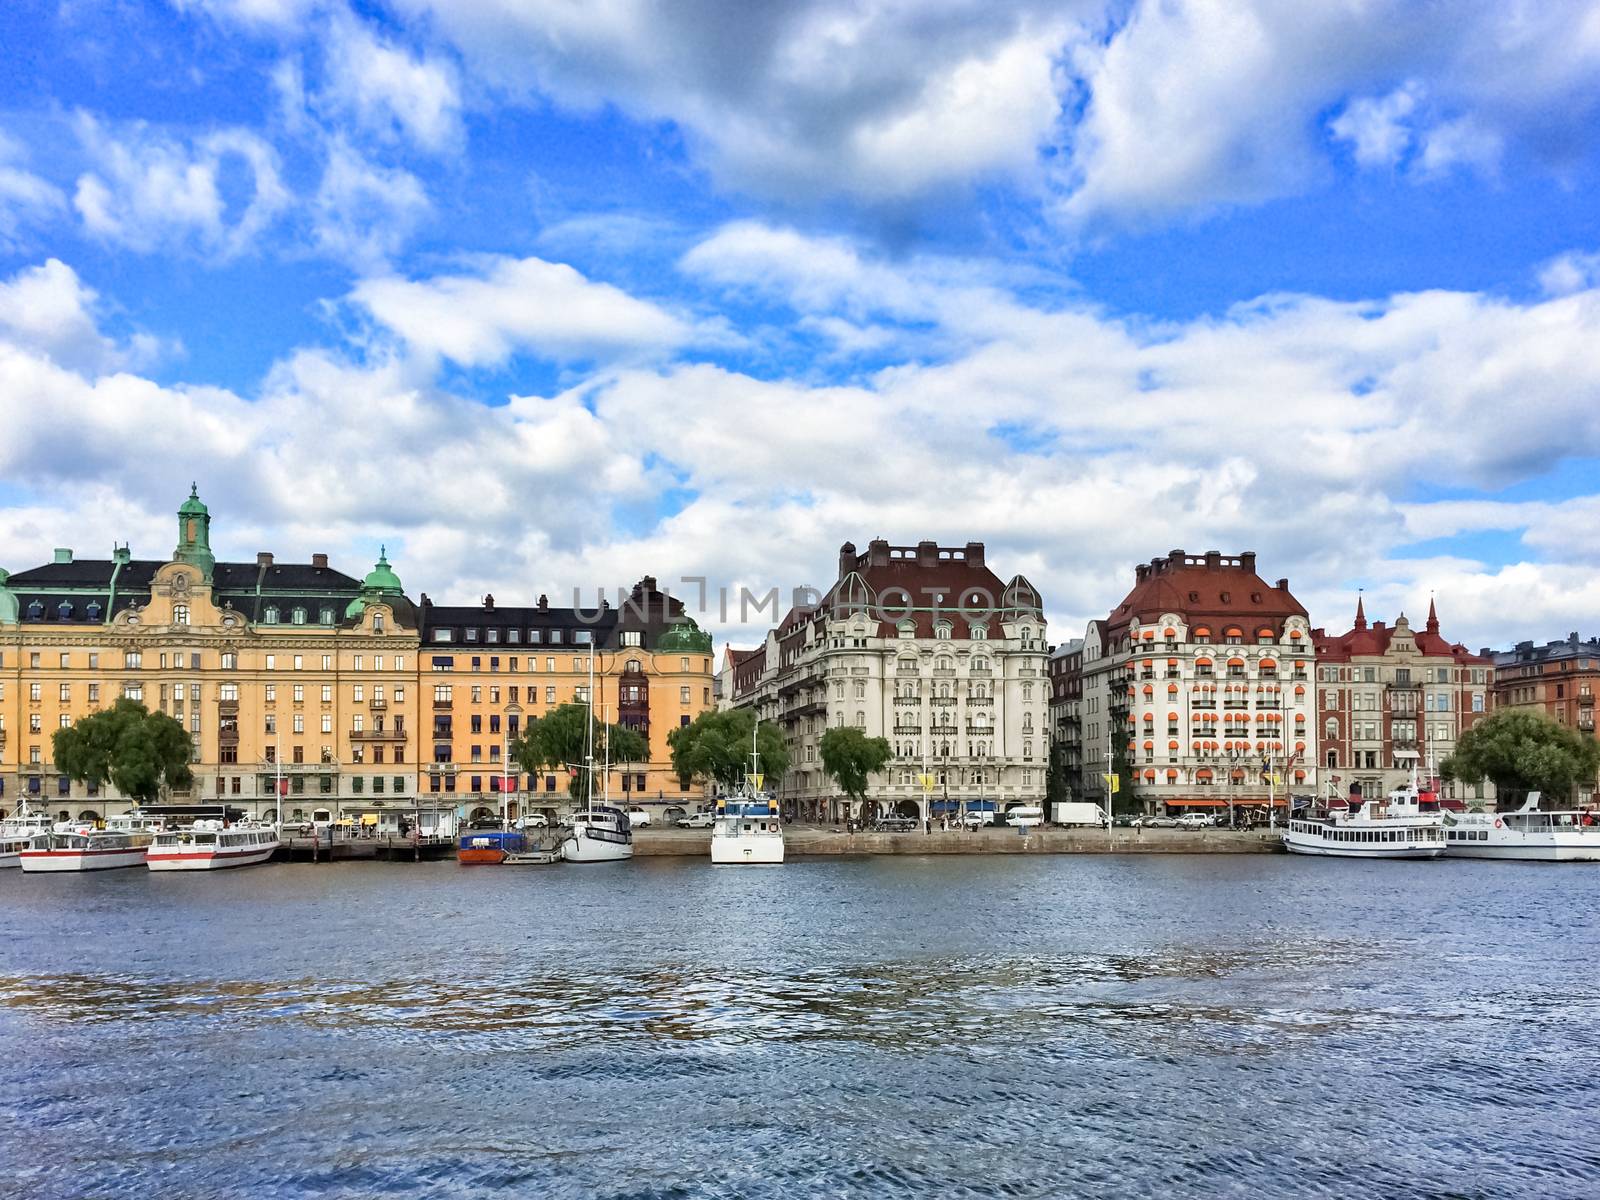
[[151, 190], [1462, 142], [388, 90], [1377, 128], [511, 305], [363, 213], [282, 15], [50, 310], [25, 198], [1570, 272]]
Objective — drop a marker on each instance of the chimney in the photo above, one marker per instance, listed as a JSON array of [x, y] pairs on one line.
[[1175, 558], [1247, 560], [1213, 560], [927, 554], [974, 554], [878, 553], [847, 559], [1141, 572], [488, 602], [424, 601], [121, 553], [264, 558], [64, 555], [648, 583], [1282, 585], [319, 560], [1572, 638]]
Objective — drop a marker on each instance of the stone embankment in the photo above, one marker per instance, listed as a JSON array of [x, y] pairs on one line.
[[826, 839]]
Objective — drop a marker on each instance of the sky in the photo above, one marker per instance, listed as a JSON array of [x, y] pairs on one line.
[[549, 295]]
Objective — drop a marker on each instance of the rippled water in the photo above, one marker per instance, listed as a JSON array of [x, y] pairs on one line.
[[945, 1027]]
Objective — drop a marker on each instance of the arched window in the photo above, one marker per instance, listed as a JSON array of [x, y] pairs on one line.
[[942, 631], [35, 611], [64, 610], [298, 616], [93, 611], [325, 617], [861, 720], [377, 622], [942, 663], [180, 614], [980, 664], [270, 617], [980, 633], [944, 691], [906, 629], [1331, 729]]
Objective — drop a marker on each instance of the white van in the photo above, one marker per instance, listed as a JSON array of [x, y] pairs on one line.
[[1025, 815]]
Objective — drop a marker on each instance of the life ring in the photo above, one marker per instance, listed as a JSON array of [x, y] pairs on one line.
[[1498, 823]]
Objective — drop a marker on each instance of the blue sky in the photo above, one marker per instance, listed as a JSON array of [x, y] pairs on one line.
[[548, 295]]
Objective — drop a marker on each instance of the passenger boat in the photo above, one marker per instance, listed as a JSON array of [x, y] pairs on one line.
[[211, 845], [19, 832], [747, 830], [598, 833], [84, 848], [489, 847], [1563, 835], [1406, 824]]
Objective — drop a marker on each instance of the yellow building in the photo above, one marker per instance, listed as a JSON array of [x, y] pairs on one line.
[[300, 683], [489, 670]]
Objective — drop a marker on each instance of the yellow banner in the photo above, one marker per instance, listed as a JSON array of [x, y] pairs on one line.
[[1113, 783], [755, 781], [926, 781]]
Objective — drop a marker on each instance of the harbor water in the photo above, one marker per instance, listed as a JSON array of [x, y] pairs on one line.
[[954, 1026]]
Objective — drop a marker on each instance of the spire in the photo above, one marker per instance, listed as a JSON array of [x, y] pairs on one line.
[[1361, 613], [1433, 617], [194, 533]]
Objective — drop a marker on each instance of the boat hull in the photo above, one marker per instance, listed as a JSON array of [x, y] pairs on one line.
[[578, 849], [47, 862], [1299, 846], [731, 851], [1530, 852], [209, 860]]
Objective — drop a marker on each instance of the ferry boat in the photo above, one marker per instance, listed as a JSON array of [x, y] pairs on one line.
[[211, 845], [19, 832], [747, 829], [84, 848], [1407, 824], [1564, 835], [489, 847], [598, 833]]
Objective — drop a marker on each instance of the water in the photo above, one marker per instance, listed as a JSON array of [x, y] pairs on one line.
[[877, 1027]]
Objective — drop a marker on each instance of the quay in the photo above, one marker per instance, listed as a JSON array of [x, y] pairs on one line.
[[800, 840], [386, 848]]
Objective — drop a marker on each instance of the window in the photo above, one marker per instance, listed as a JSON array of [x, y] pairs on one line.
[[272, 723], [66, 692], [270, 617], [228, 691], [134, 660], [94, 693], [327, 693], [299, 723], [272, 662], [630, 637], [298, 616], [327, 662], [325, 617], [299, 693], [327, 722], [299, 663], [180, 614], [230, 661], [683, 695], [272, 693]]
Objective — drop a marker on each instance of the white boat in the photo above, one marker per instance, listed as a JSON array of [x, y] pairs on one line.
[[19, 832], [1406, 824], [747, 829], [84, 848], [211, 845], [1565, 835], [598, 834]]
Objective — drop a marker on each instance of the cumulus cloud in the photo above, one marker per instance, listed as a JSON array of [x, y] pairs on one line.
[[363, 213], [388, 90], [1378, 128], [1570, 272], [545, 309], [25, 198], [150, 189], [49, 309]]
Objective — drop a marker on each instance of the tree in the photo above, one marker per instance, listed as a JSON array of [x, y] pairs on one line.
[[1521, 751], [850, 756], [561, 739], [715, 747], [139, 752]]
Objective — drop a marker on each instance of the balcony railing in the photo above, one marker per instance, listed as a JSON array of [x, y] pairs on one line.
[[377, 704], [377, 735], [438, 703]]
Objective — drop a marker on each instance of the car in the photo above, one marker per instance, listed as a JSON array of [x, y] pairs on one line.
[[534, 821], [1025, 815], [898, 824], [699, 820], [1125, 821], [976, 820], [1155, 822], [1196, 821], [638, 817]]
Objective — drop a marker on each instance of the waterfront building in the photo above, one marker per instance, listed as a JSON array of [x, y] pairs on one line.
[[1558, 679], [1391, 699], [925, 647], [1066, 718], [1197, 690], [491, 669], [291, 672]]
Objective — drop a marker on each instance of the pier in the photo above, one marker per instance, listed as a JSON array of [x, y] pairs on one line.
[[383, 848]]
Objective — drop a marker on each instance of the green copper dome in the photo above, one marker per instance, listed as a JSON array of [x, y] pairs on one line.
[[382, 577], [684, 637], [193, 506]]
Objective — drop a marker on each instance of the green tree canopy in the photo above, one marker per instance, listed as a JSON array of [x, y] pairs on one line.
[[135, 750], [850, 756], [560, 739], [1521, 751], [716, 747]]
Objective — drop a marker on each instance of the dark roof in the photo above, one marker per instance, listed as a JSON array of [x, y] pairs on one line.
[[1363, 640], [646, 610], [1207, 587]]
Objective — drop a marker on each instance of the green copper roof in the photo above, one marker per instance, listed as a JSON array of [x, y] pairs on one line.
[[382, 578], [193, 507], [685, 636]]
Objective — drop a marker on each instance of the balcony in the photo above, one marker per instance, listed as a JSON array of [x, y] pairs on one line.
[[1395, 685], [442, 704], [908, 701], [943, 701], [379, 705], [908, 728], [945, 672], [979, 672], [377, 735], [980, 701], [1586, 699]]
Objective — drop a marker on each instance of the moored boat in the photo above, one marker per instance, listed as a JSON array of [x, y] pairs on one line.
[[747, 829], [1529, 834], [84, 848], [489, 847], [1405, 824], [598, 833], [18, 833], [211, 845]]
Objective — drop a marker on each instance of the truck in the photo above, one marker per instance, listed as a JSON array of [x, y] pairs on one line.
[[1076, 813]]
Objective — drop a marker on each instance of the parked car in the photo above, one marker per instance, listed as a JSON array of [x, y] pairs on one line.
[[1196, 821], [976, 820], [1025, 815], [1155, 822], [1125, 821], [699, 820], [638, 817], [898, 824], [534, 821]]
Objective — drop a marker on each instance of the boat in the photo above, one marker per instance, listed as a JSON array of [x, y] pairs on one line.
[[19, 832], [70, 847], [1529, 833], [489, 847], [598, 833], [1405, 824], [747, 829], [212, 845]]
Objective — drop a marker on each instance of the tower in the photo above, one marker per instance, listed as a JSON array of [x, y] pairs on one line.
[[194, 534]]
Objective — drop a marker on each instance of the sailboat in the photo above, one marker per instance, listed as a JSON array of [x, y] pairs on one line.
[[20, 832], [599, 833], [747, 828]]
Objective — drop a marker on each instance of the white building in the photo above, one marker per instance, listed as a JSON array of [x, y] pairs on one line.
[[922, 646]]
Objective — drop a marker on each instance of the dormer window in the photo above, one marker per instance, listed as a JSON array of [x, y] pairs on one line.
[[906, 629], [35, 610], [64, 610], [325, 617], [298, 616], [93, 611], [555, 637], [470, 635], [377, 622], [942, 631], [270, 617], [980, 633]]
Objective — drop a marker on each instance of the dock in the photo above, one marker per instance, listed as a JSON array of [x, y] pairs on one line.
[[383, 848]]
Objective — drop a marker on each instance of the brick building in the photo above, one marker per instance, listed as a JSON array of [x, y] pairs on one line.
[[1559, 679]]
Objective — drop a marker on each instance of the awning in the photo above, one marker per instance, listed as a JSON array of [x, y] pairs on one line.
[[1406, 754], [369, 818]]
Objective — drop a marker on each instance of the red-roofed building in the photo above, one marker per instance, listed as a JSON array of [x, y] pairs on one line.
[[1197, 690], [926, 647], [1391, 699]]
